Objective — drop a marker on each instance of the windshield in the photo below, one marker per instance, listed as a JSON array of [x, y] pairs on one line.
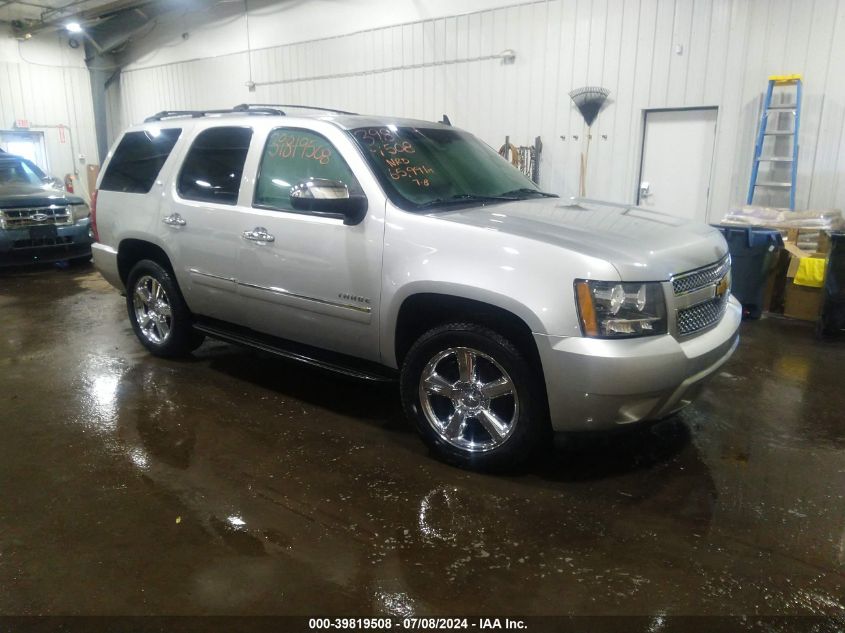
[[17, 172], [429, 168]]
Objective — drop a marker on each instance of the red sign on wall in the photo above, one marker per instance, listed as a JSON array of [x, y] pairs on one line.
[[22, 123]]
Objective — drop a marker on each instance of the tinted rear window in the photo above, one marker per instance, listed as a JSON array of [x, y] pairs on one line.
[[138, 159], [214, 165]]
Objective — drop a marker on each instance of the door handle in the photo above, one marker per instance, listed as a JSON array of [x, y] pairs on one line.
[[174, 220], [258, 234], [645, 189]]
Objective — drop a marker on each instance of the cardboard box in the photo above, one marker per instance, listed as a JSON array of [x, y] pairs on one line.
[[817, 241], [91, 173], [801, 302]]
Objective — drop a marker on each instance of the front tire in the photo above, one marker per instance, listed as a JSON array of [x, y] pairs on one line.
[[158, 313], [474, 397]]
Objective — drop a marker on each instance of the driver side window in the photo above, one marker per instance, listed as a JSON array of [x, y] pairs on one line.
[[292, 156]]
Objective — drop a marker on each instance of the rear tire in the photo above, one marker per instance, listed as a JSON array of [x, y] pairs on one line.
[[158, 313], [475, 399]]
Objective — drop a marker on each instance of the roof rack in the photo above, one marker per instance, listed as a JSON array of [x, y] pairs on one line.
[[271, 109], [248, 107], [195, 114]]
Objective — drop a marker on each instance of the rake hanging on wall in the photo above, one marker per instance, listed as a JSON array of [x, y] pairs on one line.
[[589, 101]]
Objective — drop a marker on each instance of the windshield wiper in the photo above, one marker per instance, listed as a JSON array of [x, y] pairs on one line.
[[464, 197], [527, 190]]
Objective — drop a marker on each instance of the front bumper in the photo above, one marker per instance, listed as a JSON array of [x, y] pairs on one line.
[[72, 241], [596, 384]]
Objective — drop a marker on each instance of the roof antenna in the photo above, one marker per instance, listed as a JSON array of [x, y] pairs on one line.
[[446, 120]]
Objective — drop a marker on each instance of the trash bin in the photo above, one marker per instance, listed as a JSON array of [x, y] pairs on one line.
[[754, 251], [832, 322]]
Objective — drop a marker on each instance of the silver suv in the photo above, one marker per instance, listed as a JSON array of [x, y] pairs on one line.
[[390, 249]]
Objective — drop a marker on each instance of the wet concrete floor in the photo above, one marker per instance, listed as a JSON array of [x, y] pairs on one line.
[[236, 483]]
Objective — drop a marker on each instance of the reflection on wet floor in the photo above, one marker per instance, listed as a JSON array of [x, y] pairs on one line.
[[239, 483]]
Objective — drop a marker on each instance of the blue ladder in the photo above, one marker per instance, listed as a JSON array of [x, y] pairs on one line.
[[794, 109]]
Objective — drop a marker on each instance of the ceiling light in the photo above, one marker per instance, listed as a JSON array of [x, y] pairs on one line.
[[73, 27]]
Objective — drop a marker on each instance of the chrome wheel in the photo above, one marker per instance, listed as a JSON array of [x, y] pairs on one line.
[[469, 399], [152, 309]]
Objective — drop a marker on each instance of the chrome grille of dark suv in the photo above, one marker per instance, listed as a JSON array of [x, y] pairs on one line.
[[710, 306], [695, 279], [35, 216]]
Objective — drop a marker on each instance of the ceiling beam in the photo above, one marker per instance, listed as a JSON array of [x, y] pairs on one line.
[[55, 20]]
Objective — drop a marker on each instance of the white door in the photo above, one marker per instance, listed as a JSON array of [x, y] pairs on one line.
[[201, 223], [27, 144], [677, 158], [313, 280]]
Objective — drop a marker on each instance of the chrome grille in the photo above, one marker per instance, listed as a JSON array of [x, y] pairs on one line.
[[702, 315], [695, 279], [35, 216]]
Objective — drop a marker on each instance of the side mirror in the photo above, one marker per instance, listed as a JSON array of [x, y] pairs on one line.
[[330, 198]]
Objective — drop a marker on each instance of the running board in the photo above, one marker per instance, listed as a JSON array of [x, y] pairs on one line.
[[329, 361]]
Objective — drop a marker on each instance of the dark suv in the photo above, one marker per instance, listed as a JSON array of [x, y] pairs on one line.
[[39, 223]]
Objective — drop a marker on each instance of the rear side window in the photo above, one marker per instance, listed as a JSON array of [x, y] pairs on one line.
[[138, 159], [214, 165]]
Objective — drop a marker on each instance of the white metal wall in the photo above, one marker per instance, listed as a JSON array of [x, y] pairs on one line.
[[649, 53], [47, 83]]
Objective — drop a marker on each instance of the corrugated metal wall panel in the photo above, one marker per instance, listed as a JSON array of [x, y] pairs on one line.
[[649, 53], [22, 97], [830, 155]]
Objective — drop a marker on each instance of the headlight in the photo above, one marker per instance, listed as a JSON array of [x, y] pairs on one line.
[[612, 309], [79, 212], [2, 220]]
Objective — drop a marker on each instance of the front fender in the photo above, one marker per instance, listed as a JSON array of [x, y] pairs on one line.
[[392, 307]]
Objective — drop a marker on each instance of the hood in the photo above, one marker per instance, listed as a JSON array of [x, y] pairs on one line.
[[643, 245], [20, 195]]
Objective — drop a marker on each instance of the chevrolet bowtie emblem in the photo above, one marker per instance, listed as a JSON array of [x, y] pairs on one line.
[[723, 286]]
